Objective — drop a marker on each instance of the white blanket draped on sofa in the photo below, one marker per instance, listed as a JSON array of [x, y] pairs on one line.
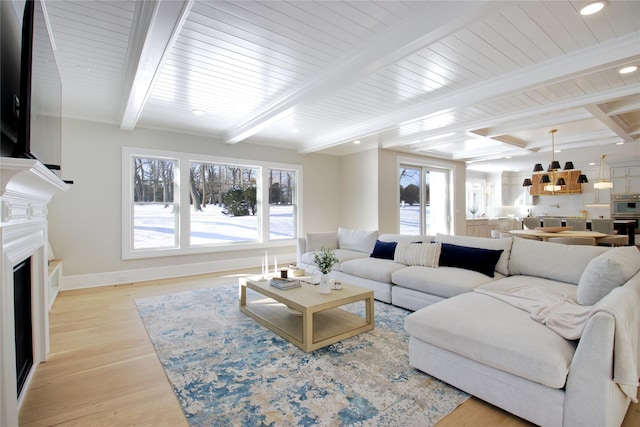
[[568, 319]]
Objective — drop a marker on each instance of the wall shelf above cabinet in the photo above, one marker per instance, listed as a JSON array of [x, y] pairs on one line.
[[570, 177]]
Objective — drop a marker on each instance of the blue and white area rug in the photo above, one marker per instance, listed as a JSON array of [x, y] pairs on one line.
[[227, 369]]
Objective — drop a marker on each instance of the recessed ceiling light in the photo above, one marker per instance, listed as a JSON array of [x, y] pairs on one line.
[[357, 141], [198, 112], [592, 163], [620, 143], [627, 70], [592, 8], [295, 130]]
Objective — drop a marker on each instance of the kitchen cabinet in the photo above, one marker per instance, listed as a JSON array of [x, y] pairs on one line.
[[593, 196], [503, 224], [570, 177], [478, 228], [625, 179], [513, 193]]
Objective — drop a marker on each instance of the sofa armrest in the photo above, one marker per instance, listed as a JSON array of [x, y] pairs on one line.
[[592, 398], [301, 247]]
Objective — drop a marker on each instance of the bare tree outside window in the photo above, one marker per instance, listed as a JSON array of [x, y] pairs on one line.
[[155, 220], [175, 203], [228, 190], [424, 200], [409, 200], [281, 204]]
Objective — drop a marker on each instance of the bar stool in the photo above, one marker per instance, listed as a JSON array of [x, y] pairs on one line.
[[577, 224], [531, 223], [551, 222]]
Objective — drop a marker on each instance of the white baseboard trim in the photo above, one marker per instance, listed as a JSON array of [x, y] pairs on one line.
[[82, 281]]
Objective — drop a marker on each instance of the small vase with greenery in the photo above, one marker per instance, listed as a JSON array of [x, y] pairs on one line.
[[324, 259]]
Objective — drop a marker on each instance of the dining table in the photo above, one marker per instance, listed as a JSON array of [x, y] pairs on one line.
[[544, 235]]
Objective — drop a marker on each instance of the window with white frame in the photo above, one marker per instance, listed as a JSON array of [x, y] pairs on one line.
[[154, 213], [175, 203], [282, 203]]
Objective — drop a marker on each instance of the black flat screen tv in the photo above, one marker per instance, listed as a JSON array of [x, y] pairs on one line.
[[10, 51], [31, 88]]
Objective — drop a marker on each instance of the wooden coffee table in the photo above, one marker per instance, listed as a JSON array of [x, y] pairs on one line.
[[305, 317]]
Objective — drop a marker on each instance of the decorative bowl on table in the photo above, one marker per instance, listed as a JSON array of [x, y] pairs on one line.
[[554, 229]]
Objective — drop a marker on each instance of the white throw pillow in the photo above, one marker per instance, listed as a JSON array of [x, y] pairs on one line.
[[606, 272], [357, 240], [424, 254], [317, 241]]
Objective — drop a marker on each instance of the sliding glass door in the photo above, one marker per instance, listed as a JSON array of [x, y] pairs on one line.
[[424, 200]]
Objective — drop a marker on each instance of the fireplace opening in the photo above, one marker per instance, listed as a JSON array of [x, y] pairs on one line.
[[23, 322]]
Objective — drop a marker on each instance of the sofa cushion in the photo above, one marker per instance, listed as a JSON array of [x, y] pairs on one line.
[[477, 259], [496, 334], [507, 283], [551, 260], [317, 241], [502, 266], [443, 282], [357, 240], [606, 272], [384, 250], [342, 254], [376, 269], [425, 254]]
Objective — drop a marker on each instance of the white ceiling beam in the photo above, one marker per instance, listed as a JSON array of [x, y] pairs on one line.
[[433, 22], [156, 26], [622, 131], [547, 115], [554, 116], [555, 70]]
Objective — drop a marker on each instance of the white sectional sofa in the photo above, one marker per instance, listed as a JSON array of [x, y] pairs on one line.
[[528, 326]]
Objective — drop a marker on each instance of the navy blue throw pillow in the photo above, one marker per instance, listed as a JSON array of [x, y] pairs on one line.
[[477, 259], [384, 250]]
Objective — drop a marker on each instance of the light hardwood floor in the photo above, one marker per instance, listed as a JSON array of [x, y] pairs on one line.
[[103, 371]]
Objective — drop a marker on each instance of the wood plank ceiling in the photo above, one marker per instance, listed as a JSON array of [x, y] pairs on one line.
[[470, 81]]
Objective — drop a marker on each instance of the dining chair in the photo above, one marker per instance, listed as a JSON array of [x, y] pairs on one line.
[[551, 222], [531, 223], [611, 239], [577, 224], [590, 241]]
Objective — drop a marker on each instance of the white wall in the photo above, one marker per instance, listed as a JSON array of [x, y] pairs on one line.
[[85, 222], [360, 190], [356, 191]]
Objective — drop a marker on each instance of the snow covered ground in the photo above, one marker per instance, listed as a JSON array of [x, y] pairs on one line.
[[155, 225]]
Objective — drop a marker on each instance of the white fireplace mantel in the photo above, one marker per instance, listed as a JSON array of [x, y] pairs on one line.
[[26, 187], [28, 179]]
